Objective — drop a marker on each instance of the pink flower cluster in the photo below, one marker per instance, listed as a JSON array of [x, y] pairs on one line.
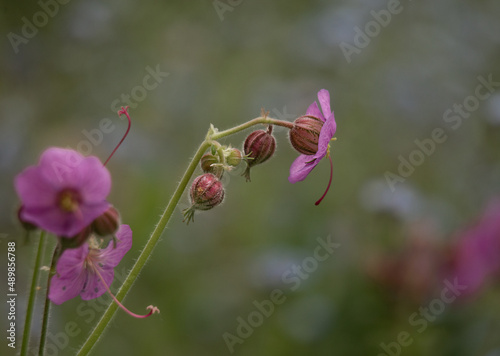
[[65, 194]]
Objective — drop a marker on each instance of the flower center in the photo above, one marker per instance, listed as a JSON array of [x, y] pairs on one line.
[[93, 260], [69, 200]]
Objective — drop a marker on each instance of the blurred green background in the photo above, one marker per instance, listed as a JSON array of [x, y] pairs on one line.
[[225, 60]]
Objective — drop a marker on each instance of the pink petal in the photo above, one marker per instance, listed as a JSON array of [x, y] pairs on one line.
[[61, 167], [63, 289], [301, 167], [62, 223], [53, 220], [113, 256], [95, 180], [325, 136], [67, 283], [33, 190], [324, 101], [94, 287], [313, 110]]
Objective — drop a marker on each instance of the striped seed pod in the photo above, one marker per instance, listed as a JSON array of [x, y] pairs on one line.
[[304, 134]]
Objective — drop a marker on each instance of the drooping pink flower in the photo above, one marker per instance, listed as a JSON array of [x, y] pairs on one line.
[[65, 192], [476, 257], [82, 271], [304, 164]]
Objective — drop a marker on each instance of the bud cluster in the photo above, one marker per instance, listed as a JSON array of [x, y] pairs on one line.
[[207, 190], [307, 134]]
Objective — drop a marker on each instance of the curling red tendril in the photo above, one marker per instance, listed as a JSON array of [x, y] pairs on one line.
[[122, 111], [329, 182]]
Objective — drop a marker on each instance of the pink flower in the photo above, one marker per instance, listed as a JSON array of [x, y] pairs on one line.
[[304, 164], [88, 270], [65, 192], [476, 257]]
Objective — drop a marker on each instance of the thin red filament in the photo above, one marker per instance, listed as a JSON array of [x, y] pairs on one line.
[[122, 111], [329, 182], [151, 308]]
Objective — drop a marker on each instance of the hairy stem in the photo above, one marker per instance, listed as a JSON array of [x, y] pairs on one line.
[[46, 308], [155, 236]]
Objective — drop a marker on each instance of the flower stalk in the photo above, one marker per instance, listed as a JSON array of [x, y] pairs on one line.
[[212, 135], [32, 295], [46, 308]]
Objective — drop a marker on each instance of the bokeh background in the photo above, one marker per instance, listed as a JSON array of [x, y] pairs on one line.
[[225, 60]]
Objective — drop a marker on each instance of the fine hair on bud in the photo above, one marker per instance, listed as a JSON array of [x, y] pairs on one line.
[[206, 193], [210, 163]]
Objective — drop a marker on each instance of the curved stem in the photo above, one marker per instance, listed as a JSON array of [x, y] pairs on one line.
[[46, 308], [155, 236], [258, 120], [146, 252], [32, 296]]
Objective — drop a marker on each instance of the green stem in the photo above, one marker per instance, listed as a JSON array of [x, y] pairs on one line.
[[32, 296], [258, 120], [155, 236], [146, 252], [46, 308]]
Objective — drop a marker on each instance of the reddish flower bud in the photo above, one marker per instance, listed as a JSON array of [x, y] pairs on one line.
[[28, 226], [108, 223], [259, 146], [206, 192], [304, 134], [209, 164]]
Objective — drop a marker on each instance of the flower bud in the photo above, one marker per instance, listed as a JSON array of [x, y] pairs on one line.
[[206, 192], [28, 226], [304, 134], [107, 223], [209, 164], [234, 157], [259, 146]]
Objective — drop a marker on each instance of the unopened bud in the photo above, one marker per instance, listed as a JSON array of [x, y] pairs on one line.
[[206, 192], [107, 223], [304, 134], [210, 164], [259, 146], [234, 157]]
